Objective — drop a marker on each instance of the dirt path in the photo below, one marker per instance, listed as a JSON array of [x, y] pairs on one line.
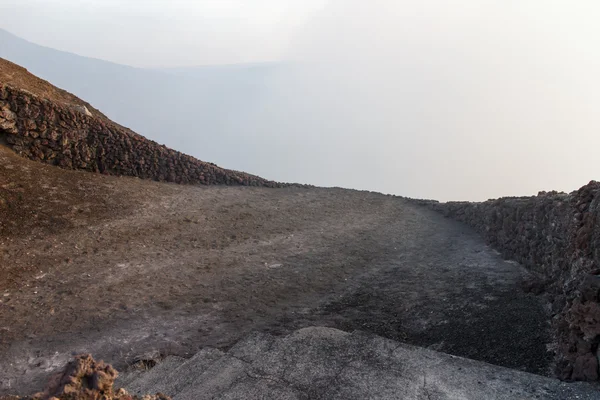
[[176, 268]]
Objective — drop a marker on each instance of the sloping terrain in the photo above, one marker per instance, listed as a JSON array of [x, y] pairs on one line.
[[197, 110], [47, 124], [130, 269], [18, 77], [134, 270]]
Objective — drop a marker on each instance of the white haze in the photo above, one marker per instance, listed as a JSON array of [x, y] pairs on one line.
[[161, 33], [433, 99], [446, 100]]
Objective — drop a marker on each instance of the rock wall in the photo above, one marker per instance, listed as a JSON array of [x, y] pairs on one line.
[[557, 236], [70, 137]]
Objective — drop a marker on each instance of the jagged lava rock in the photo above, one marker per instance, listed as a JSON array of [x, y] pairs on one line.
[[557, 236]]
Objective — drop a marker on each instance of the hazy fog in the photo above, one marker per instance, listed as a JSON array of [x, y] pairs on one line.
[[436, 99], [161, 33]]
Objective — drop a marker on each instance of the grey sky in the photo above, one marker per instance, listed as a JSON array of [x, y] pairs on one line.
[[464, 99]]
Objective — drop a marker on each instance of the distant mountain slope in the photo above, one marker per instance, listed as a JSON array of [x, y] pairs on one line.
[[89, 78], [44, 123], [241, 73], [185, 108]]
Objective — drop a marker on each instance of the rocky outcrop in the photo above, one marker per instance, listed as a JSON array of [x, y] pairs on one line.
[[325, 363], [85, 379], [556, 235], [70, 136]]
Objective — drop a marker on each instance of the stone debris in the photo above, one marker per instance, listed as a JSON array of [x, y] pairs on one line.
[[85, 379], [83, 110]]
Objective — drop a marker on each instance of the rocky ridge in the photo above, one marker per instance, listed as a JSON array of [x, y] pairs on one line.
[[46, 124], [557, 236], [326, 363]]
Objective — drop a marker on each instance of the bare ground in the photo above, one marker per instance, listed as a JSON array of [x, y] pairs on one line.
[[129, 269]]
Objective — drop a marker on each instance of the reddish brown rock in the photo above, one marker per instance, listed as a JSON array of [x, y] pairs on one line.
[[85, 379]]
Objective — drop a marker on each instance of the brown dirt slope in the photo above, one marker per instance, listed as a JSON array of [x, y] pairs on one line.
[[129, 269], [47, 124]]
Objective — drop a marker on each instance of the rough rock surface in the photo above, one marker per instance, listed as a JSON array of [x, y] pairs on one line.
[[85, 379], [324, 363], [40, 122], [557, 236]]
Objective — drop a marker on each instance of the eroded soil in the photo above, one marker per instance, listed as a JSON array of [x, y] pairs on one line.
[[127, 269]]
